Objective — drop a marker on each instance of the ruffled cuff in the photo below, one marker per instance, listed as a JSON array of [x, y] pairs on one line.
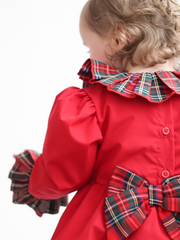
[[20, 174]]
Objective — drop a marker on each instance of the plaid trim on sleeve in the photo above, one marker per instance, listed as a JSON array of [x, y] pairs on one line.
[[20, 174], [155, 87], [130, 198]]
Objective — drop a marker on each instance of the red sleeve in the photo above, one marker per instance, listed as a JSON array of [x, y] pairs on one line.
[[70, 147]]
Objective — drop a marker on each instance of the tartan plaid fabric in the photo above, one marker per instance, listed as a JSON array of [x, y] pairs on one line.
[[20, 174], [130, 198], [155, 195], [155, 87]]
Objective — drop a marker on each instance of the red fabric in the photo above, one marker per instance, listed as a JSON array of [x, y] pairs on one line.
[[91, 131]]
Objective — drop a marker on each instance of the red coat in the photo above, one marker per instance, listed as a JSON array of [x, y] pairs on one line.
[[92, 130]]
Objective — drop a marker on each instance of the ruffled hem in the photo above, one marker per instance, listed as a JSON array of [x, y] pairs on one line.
[[155, 87], [20, 174]]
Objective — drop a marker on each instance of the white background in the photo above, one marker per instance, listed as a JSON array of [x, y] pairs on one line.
[[41, 52]]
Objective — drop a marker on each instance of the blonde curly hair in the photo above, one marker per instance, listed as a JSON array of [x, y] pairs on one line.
[[149, 29]]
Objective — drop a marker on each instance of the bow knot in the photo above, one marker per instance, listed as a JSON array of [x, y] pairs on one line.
[[130, 198], [155, 195]]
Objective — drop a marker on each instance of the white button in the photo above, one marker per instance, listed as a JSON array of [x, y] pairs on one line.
[[166, 131], [165, 173]]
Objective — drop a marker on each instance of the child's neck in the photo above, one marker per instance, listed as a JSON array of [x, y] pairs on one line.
[[168, 66]]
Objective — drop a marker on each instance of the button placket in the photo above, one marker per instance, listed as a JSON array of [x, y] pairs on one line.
[[165, 131]]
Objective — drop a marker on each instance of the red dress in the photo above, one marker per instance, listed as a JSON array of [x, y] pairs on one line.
[[118, 119]]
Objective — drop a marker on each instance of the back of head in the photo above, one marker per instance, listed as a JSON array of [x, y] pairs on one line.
[[149, 30]]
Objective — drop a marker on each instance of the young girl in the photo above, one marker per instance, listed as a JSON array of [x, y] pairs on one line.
[[117, 140]]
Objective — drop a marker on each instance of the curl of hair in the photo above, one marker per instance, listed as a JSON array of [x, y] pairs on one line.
[[151, 28]]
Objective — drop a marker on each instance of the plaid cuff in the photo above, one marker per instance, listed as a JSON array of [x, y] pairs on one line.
[[20, 174]]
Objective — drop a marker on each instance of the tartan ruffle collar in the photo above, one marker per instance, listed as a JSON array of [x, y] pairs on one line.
[[155, 87]]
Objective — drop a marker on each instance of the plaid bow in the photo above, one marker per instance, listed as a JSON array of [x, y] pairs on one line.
[[130, 198]]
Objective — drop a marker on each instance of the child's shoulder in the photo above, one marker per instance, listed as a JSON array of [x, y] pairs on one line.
[[73, 102]]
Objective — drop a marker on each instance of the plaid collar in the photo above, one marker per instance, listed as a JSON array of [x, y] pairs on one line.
[[155, 87]]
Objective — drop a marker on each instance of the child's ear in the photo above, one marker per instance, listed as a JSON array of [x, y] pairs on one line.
[[117, 38]]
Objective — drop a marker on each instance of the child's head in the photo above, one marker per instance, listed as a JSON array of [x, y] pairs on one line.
[[146, 32]]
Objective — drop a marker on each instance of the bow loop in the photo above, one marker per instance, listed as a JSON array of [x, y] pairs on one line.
[[172, 186], [114, 203], [122, 180], [130, 198]]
